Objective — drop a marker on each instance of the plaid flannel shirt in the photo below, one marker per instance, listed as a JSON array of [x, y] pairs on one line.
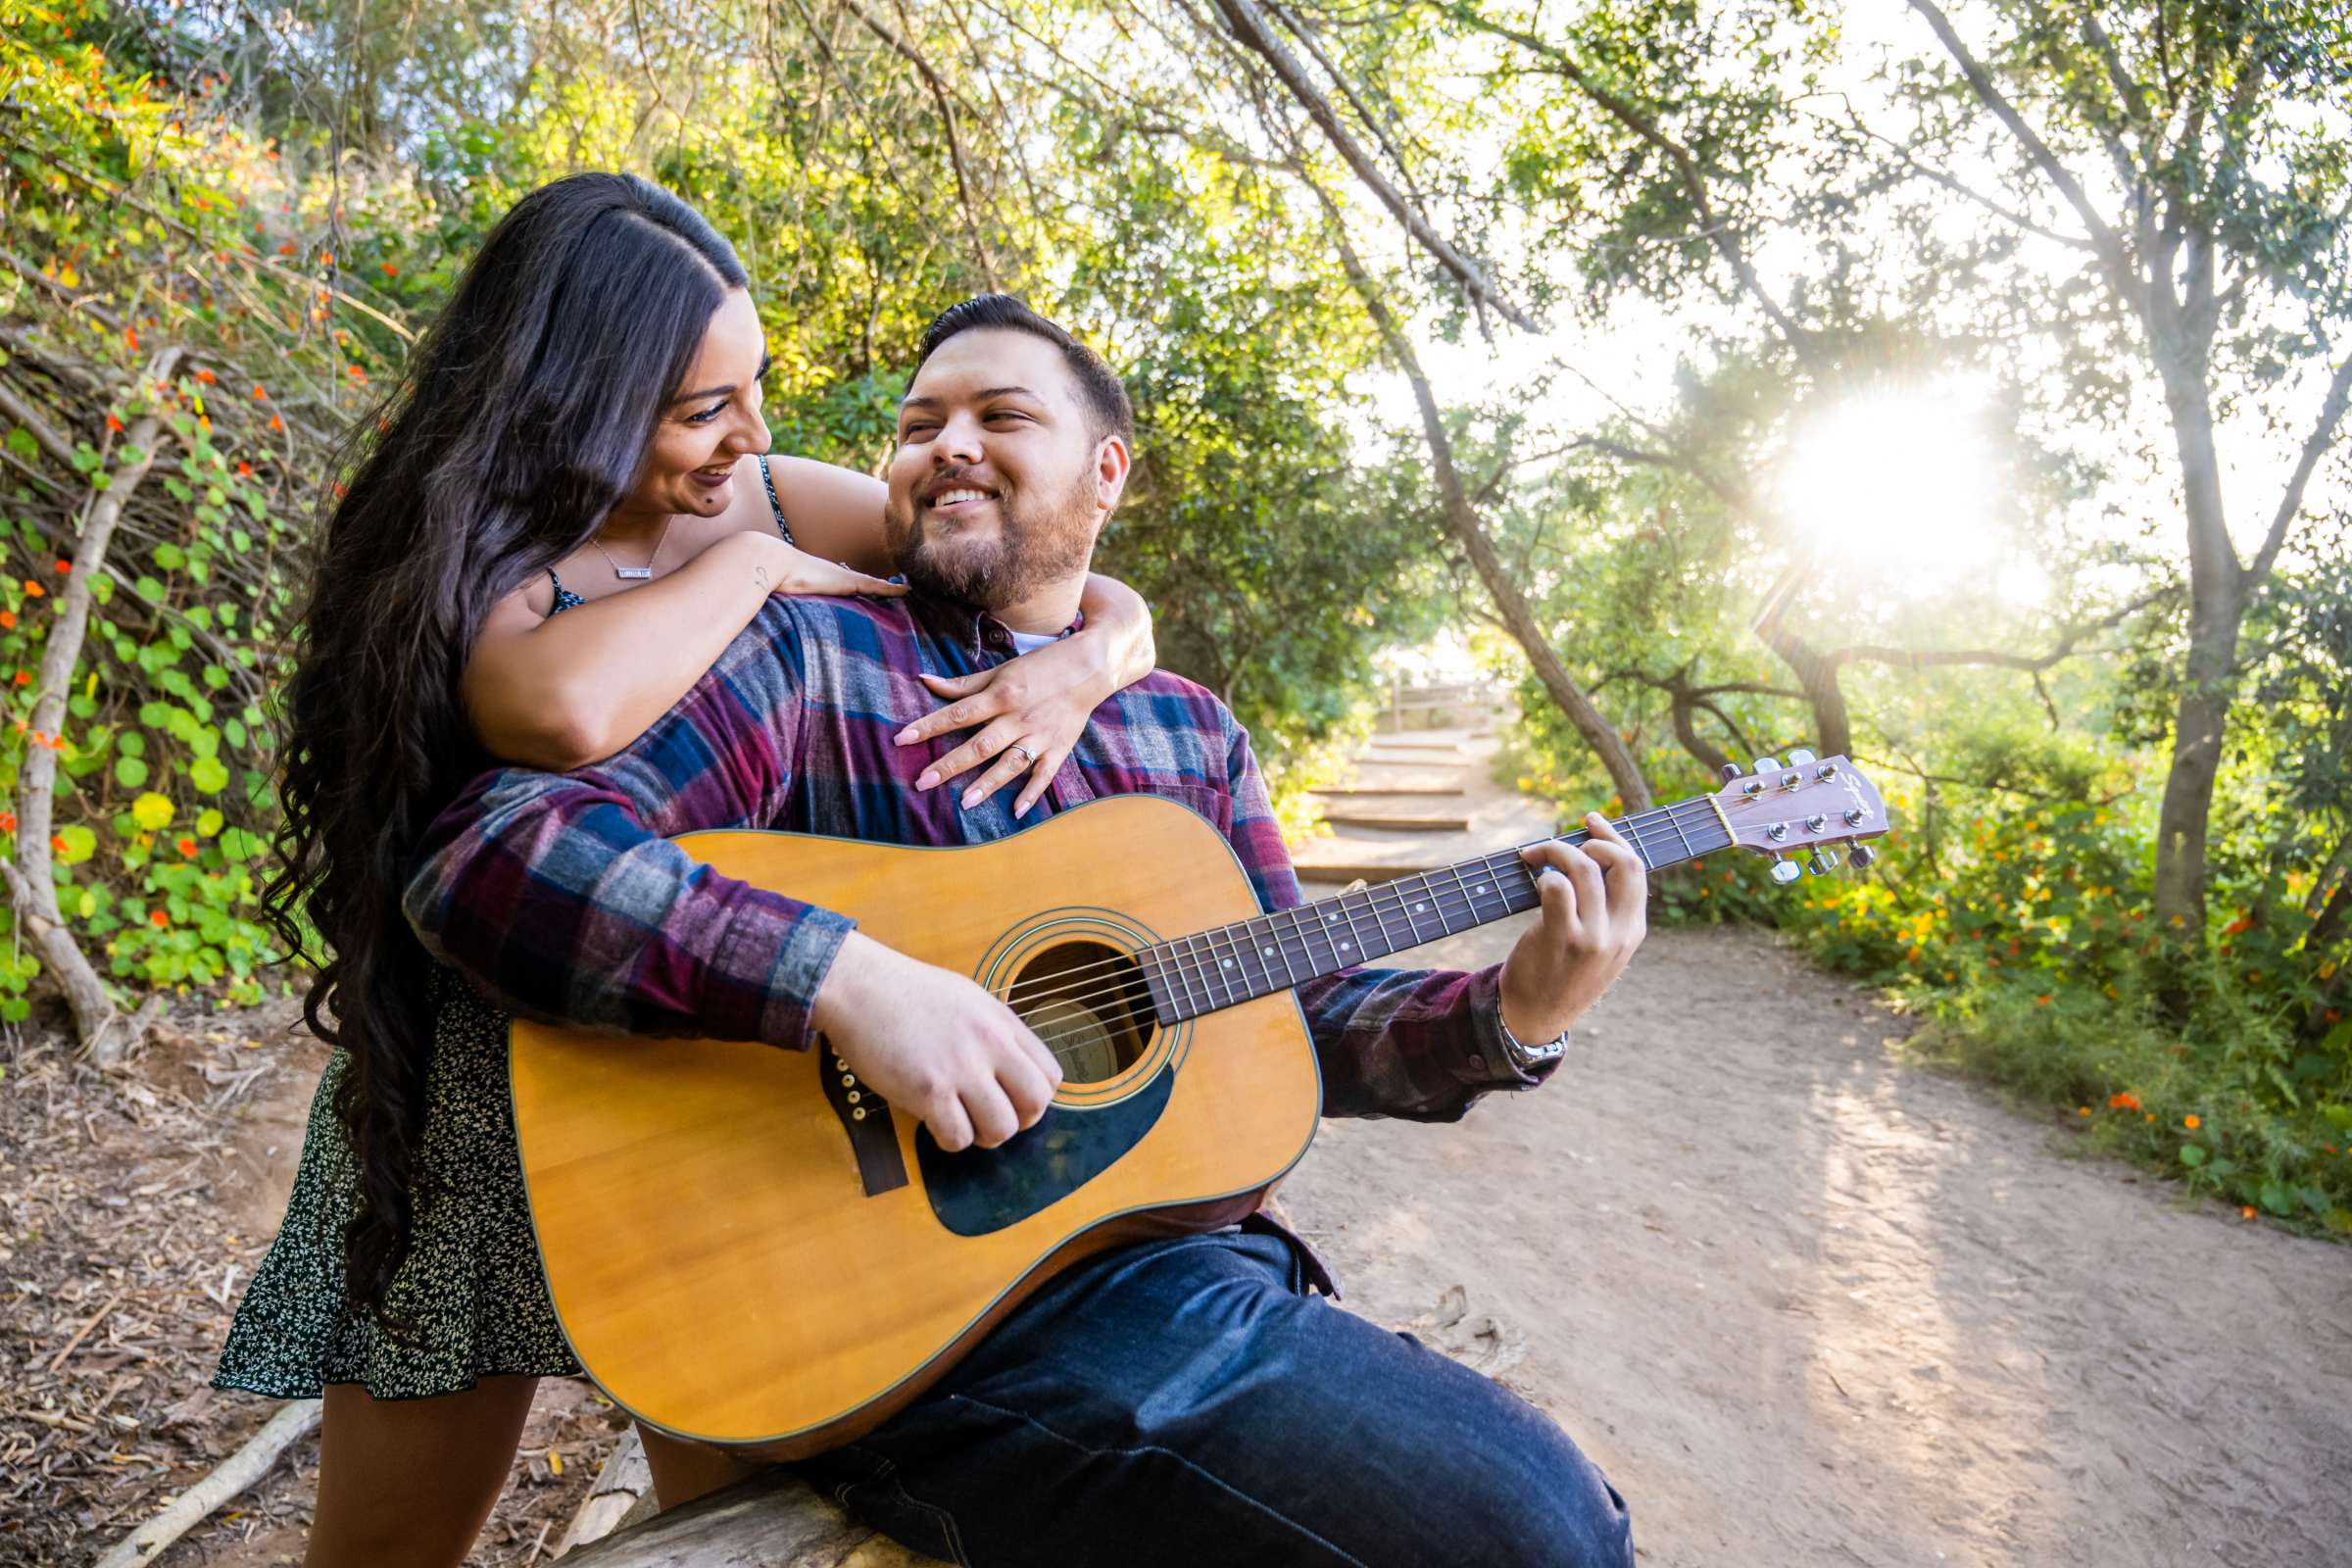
[[560, 897]]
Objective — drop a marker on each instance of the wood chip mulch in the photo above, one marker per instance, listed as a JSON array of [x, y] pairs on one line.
[[133, 1209]]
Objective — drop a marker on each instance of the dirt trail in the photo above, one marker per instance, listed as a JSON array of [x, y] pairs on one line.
[[1807, 1303]]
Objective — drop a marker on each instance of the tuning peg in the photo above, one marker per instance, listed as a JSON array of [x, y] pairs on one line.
[[1766, 764], [1862, 856], [1785, 872], [1800, 757], [1730, 772], [1824, 861]]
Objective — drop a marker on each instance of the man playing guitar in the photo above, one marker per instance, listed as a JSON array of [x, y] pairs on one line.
[[1190, 1400]]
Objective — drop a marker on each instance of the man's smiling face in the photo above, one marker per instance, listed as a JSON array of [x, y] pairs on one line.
[[1000, 481]]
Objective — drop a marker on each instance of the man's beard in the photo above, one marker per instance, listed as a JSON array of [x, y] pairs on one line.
[[1035, 544]]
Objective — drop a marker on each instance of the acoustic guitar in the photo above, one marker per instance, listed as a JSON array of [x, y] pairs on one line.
[[747, 1246]]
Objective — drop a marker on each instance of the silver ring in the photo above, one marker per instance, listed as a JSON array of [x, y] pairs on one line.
[[1028, 757]]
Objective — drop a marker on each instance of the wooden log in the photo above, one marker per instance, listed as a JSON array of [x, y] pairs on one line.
[[774, 1520], [626, 1482]]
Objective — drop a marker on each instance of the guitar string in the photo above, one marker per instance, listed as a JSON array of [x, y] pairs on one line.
[[1126, 991], [1202, 976], [1644, 839]]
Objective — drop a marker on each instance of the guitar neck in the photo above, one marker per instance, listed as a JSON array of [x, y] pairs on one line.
[[1230, 964]]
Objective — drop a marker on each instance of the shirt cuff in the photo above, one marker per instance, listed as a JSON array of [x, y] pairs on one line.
[[1487, 1063], [802, 962]]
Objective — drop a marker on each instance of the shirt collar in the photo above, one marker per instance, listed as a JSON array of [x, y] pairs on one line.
[[977, 631]]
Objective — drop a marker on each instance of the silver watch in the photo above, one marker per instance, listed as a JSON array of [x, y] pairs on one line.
[[1529, 1057]]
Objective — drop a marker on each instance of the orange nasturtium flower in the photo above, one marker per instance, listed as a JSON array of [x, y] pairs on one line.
[[8, 620], [207, 377], [2122, 1099], [158, 919], [64, 566], [2081, 1111], [2191, 1123], [2246, 1212]]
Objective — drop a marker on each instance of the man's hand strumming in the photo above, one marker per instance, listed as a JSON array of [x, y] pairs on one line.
[[1594, 915], [934, 1045]]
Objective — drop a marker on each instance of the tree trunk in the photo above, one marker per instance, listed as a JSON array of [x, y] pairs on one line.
[[32, 881], [1710, 756], [1833, 727], [2217, 587], [1461, 520]]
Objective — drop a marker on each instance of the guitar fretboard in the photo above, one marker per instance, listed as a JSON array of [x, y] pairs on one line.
[[1229, 964]]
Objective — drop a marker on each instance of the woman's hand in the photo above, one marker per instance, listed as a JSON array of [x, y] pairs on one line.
[[1038, 703], [797, 572]]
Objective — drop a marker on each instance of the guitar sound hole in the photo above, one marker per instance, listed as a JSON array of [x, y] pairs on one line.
[[1090, 1006]]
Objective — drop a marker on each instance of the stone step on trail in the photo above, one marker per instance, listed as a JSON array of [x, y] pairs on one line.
[[1381, 831]]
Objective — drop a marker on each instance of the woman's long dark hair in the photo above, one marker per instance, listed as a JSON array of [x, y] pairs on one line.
[[523, 419]]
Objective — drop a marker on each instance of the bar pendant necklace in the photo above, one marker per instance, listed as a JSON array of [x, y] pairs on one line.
[[642, 573]]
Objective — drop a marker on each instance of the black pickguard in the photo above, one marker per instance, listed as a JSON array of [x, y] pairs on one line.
[[984, 1190]]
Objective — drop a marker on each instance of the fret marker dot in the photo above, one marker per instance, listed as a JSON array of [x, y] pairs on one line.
[[1420, 909], [1344, 947], [1265, 953], [1227, 964], [1482, 887]]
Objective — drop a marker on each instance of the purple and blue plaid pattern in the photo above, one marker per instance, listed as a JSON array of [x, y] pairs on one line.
[[560, 897]]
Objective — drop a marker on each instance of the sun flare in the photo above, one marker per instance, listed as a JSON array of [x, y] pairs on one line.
[[1905, 480]]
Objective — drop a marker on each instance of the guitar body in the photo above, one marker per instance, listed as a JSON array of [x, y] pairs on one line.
[[744, 1248]]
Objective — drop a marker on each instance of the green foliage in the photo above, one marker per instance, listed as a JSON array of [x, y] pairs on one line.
[[289, 213], [149, 219]]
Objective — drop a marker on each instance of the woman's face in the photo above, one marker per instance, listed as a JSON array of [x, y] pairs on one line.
[[711, 420]]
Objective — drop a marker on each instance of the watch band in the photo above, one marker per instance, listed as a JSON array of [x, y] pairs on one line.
[[1528, 1057]]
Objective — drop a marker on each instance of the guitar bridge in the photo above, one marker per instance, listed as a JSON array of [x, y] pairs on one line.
[[866, 1117]]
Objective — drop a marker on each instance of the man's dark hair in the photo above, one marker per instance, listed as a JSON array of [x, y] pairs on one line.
[[1099, 390]]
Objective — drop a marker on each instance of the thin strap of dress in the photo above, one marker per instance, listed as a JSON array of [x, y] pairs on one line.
[[566, 599], [770, 479]]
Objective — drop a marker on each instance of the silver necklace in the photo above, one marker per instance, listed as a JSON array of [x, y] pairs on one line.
[[635, 573]]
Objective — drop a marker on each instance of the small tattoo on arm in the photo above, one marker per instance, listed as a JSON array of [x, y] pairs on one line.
[[759, 576]]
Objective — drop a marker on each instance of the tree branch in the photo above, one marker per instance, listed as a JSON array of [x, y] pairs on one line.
[[2104, 239], [1693, 183], [43, 432], [2315, 446], [947, 122], [1932, 657], [1249, 28]]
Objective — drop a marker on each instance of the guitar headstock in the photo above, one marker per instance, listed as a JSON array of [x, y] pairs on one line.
[[1803, 805]]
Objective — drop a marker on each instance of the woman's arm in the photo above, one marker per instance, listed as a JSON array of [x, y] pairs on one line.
[[833, 512], [558, 692], [1041, 701]]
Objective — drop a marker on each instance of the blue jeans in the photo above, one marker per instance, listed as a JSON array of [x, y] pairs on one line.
[[1190, 1403]]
